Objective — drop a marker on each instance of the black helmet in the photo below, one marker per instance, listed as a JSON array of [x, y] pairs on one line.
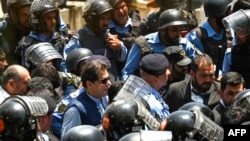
[[242, 99], [238, 20], [199, 106], [13, 5], [83, 133], [171, 17], [95, 8], [216, 8], [39, 8], [180, 124], [75, 57], [18, 117], [41, 53], [125, 116], [193, 124], [167, 4]]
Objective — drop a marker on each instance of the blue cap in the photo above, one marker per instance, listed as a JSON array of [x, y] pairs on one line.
[[154, 64]]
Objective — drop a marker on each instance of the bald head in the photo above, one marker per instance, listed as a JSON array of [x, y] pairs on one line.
[[15, 79]]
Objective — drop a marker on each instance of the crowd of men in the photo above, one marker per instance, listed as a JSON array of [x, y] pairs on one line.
[[122, 77]]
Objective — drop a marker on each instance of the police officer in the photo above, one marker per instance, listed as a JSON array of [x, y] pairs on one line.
[[97, 15], [39, 53], [170, 25], [14, 26], [46, 22], [76, 60], [124, 23], [149, 24], [19, 117], [210, 37], [237, 59]]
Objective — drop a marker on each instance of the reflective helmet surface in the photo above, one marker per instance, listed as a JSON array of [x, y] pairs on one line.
[[13, 5], [180, 121], [83, 133], [76, 56], [39, 8], [199, 106], [216, 8], [242, 99], [17, 117], [238, 20], [95, 8], [122, 117], [171, 17], [41, 53]]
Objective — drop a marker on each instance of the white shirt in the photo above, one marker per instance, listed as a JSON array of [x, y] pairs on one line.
[[3, 95]]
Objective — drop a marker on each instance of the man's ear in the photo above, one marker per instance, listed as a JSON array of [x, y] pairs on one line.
[[220, 92], [191, 73]]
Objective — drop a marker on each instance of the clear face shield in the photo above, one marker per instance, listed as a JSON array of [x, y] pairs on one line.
[[239, 22]]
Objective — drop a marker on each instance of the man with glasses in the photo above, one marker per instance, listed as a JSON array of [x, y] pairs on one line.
[[88, 107], [237, 59], [170, 25]]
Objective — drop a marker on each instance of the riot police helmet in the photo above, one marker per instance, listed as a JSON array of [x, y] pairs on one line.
[[18, 117], [42, 52], [193, 124], [95, 8], [199, 106], [242, 99], [238, 21], [83, 133], [216, 8], [38, 9], [13, 5], [75, 57], [171, 17], [125, 116]]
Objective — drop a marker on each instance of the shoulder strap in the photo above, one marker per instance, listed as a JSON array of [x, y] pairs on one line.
[[143, 45]]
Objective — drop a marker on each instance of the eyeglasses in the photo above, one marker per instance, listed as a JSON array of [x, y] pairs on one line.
[[105, 80]]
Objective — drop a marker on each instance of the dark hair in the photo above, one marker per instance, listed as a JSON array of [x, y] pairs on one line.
[[114, 88], [37, 83], [231, 78], [235, 115], [91, 69], [48, 71], [198, 60]]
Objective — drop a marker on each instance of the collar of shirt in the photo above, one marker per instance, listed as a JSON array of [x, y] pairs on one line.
[[153, 38], [124, 30], [211, 32], [43, 37], [96, 100]]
